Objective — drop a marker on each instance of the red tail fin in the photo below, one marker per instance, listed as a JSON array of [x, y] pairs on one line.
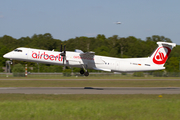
[[161, 54]]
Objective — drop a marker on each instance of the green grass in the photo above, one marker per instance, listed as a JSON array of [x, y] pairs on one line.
[[91, 76], [89, 107], [89, 83]]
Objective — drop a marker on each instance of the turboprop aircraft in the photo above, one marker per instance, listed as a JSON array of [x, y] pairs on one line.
[[89, 60]]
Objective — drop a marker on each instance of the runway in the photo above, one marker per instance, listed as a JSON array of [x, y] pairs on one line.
[[90, 90]]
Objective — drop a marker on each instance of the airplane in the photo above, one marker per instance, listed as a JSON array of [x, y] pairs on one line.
[[89, 60], [118, 22]]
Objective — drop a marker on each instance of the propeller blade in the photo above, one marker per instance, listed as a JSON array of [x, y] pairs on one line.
[[63, 54], [61, 48], [63, 60], [65, 49]]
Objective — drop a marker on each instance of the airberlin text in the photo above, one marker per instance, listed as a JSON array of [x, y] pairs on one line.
[[45, 56]]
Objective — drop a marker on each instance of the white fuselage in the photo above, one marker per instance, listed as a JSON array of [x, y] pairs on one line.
[[75, 59]]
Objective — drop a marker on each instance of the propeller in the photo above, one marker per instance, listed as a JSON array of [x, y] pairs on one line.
[[61, 48], [63, 53]]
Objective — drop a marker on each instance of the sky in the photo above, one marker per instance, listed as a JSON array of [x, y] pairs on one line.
[[65, 19]]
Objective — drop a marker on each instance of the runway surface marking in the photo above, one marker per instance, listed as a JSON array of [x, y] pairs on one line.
[[91, 90]]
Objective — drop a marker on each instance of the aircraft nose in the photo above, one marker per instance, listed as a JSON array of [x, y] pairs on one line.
[[7, 55]]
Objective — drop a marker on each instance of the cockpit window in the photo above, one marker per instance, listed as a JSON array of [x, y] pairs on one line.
[[17, 50]]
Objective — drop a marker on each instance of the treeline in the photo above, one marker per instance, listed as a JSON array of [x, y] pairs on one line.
[[114, 46]]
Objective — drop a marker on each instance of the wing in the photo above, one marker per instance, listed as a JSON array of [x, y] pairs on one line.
[[88, 54]]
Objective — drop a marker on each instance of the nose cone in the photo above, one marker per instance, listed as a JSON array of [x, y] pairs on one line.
[[7, 55]]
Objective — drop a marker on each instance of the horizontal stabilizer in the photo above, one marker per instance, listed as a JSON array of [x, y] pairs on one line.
[[167, 44]]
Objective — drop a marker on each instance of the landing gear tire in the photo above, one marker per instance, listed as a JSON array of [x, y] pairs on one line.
[[86, 73], [81, 71]]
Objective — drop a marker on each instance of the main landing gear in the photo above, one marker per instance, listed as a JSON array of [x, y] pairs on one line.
[[81, 71], [86, 73]]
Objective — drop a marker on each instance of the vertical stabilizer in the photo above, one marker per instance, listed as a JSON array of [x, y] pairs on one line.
[[161, 54]]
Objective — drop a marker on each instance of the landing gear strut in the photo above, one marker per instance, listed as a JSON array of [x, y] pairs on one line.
[[84, 71]]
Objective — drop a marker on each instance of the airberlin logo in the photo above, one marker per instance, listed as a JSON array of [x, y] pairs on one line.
[[46, 56], [161, 55]]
